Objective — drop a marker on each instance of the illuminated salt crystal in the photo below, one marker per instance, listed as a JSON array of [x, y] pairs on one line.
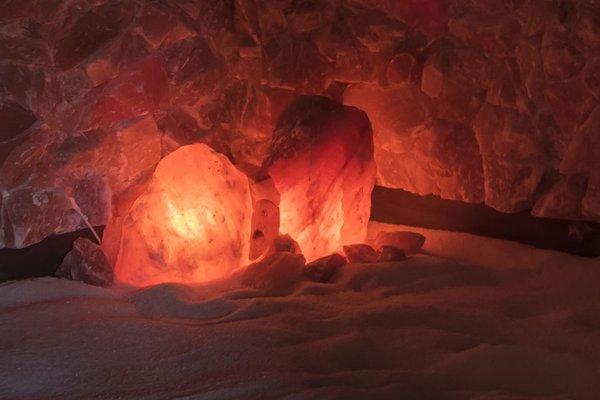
[[321, 162], [192, 223]]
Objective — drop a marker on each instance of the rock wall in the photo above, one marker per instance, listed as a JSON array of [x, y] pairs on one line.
[[493, 101]]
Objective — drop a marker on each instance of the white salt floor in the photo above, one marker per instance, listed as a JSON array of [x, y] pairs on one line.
[[475, 318]]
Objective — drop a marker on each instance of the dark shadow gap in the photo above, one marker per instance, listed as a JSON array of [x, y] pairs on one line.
[[397, 206], [40, 259]]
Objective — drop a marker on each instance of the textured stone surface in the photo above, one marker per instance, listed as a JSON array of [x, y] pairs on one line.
[[321, 162], [478, 101], [513, 158], [86, 262], [563, 199], [191, 224]]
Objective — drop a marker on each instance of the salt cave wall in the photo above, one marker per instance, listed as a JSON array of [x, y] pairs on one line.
[[491, 101]]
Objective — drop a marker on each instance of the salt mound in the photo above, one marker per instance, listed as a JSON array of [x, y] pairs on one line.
[[428, 327]]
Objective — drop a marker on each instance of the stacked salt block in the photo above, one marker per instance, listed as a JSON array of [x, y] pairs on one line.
[[321, 162]]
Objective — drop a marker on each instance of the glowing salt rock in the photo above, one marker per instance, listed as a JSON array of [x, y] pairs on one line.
[[192, 223], [321, 162]]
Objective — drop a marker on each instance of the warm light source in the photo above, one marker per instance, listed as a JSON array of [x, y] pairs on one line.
[[191, 224], [321, 162], [198, 216]]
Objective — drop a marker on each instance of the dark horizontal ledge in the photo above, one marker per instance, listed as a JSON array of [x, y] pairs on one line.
[[40, 259], [397, 206]]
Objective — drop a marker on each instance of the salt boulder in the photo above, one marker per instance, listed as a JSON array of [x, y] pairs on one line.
[[321, 162], [86, 262], [192, 223]]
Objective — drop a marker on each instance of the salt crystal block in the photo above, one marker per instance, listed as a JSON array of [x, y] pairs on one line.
[[409, 242], [323, 269], [192, 224], [360, 253], [321, 162], [86, 262]]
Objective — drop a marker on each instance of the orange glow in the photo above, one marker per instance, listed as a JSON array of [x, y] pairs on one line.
[[325, 188], [192, 224]]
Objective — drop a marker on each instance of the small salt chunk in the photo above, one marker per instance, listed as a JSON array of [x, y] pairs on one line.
[[409, 242], [323, 269], [391, 253], [86, 262], [360, 253]]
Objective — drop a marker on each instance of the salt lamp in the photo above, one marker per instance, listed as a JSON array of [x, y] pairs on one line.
[[191, 224], [321, 162]]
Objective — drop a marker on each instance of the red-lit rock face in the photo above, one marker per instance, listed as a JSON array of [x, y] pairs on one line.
[[192, 223], [415, 152], [478, 101], [321, 161]]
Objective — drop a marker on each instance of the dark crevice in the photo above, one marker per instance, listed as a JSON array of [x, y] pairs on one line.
[[397, 206], [40, 259]]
